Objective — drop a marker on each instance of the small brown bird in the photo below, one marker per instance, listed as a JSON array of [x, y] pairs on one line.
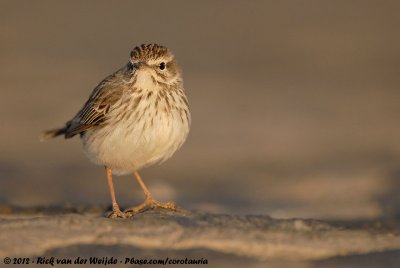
[[134, 118]]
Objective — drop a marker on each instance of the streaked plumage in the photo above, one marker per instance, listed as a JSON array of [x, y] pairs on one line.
[[137, 116]]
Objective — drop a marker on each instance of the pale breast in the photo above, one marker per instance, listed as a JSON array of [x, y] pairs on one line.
[[146, 128]]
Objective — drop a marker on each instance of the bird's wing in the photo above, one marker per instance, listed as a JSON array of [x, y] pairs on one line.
[[95, 110]]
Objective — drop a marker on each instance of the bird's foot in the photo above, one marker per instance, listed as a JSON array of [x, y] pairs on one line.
[[117, 213], [149, 203]]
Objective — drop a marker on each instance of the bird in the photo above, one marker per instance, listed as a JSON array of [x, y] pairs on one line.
[[134, 118]]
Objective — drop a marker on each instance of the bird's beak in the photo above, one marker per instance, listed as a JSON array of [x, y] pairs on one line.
[[138, 64]]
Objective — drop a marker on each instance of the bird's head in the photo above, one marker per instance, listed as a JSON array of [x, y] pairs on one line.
[[154, 64]]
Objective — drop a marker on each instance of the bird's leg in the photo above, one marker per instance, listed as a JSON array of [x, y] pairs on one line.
[[116, 212], [149, 202]]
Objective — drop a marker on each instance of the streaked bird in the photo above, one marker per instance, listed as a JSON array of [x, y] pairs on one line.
[[134, 118]]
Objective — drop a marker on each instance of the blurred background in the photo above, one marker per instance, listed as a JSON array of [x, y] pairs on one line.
[[295, 104]]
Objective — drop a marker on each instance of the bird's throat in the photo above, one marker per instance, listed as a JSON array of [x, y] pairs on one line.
[[145, 79]]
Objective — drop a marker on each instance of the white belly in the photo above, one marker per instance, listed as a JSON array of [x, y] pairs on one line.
[[130, 146]]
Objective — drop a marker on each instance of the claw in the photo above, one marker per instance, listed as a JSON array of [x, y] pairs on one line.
[[117, 214], [149, 203], [165, 205]]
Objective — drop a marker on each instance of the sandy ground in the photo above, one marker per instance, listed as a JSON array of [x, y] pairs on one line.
[[295, 105], [218, 240]]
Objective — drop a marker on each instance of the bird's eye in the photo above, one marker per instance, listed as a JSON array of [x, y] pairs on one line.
[[162, 65]]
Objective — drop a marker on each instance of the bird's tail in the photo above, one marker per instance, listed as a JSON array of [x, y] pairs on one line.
[[52, 133]]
